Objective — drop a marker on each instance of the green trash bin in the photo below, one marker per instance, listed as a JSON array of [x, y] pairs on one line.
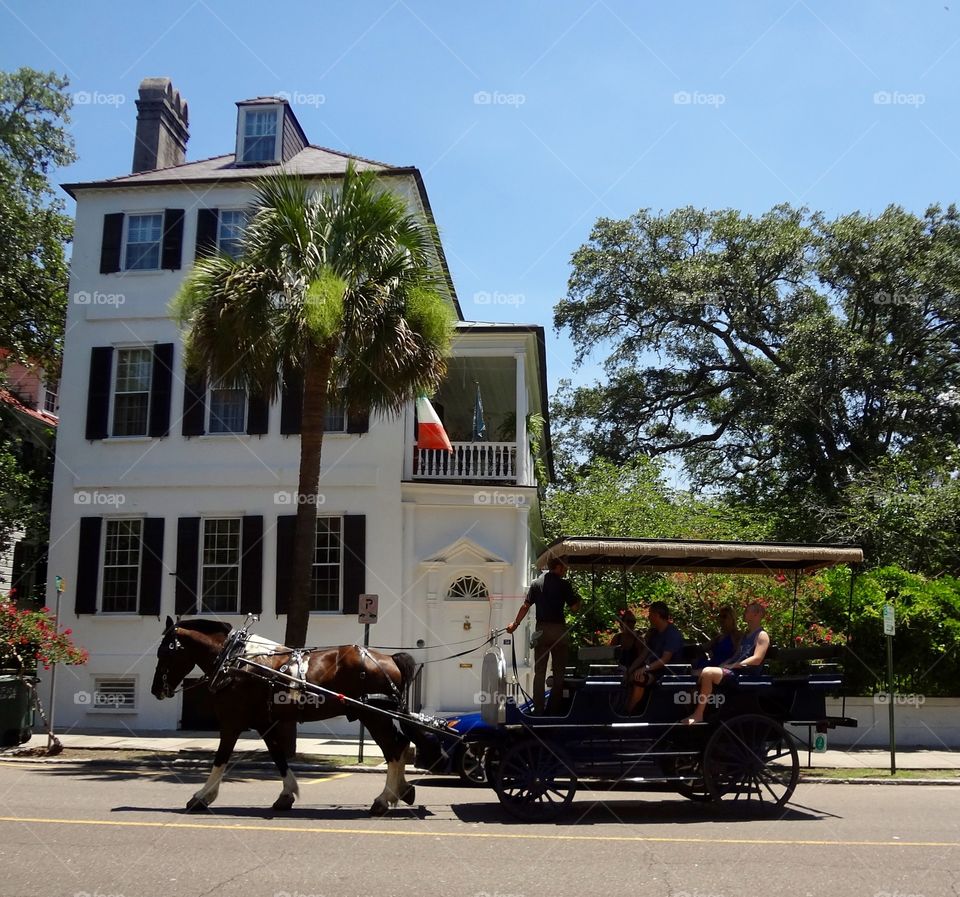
[[16, 709]]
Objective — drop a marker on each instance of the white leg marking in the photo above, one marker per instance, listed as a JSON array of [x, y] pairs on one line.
[[211, 788], [390, 795], [290, 785]]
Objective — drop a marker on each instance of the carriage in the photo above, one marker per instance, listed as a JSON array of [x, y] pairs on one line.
[[745, 752]]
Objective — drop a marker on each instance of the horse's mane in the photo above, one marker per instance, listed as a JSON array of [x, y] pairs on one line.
[[206, 627]]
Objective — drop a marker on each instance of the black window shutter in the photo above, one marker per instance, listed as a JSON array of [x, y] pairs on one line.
[[88, 565], [258, 415], [194, 405], [151, 567], [354, 561], [112, 241], [172, 239], [251, 565], [98, 392], [188, 557], [208, 220], [358, 422], [286, 527], [160, 388], [291, 404]]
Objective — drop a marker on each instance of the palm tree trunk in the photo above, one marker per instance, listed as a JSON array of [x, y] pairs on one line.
[[316, 375]]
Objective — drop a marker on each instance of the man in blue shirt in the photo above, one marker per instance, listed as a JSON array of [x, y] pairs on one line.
[[551, 593], [664, 643]]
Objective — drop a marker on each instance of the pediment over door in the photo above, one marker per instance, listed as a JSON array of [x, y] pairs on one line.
[[457, 563]]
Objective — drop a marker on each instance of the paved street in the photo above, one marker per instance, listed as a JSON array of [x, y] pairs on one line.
[[70, 830]]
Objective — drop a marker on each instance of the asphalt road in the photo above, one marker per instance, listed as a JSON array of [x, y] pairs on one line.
[[74, 831]]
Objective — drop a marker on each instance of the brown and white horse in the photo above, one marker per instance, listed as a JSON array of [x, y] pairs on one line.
[[247, 702]]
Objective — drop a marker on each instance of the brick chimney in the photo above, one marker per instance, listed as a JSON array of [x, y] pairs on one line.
[[162, 132]]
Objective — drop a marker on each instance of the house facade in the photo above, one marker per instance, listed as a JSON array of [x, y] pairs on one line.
[[177, 497]]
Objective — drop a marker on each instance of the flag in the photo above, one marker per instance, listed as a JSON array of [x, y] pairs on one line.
[[479, 426], [431, 433]]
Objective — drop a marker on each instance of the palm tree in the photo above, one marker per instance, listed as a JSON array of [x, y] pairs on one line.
[[339, 287]]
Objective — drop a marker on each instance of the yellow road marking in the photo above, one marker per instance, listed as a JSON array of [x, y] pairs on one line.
[[508, 833], [329, 778]]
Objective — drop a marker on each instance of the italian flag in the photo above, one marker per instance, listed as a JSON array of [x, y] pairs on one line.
[[431, 433]]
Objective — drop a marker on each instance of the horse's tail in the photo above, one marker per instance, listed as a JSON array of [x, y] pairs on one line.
[[407, 667]]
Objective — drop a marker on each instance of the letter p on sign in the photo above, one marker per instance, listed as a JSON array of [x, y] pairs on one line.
[[369, 604]]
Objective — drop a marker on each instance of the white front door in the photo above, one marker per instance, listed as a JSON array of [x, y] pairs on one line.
[[459, 677]]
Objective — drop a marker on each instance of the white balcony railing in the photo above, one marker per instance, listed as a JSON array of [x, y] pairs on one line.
[[469, 461]]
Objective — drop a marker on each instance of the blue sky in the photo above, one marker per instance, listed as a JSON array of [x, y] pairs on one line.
[[529, 120]]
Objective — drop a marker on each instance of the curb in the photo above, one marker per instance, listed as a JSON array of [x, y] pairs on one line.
[[813, 780]]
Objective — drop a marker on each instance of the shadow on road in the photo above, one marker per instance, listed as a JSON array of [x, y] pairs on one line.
[[302, 814]]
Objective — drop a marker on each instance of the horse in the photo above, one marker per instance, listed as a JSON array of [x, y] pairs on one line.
[[270, 707]]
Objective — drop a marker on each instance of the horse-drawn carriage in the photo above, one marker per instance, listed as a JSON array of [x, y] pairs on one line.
[[743, 754]]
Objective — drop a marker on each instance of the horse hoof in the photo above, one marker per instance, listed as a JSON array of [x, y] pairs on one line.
[[408, 795], [379, 808], [283, 802], [196, 804]]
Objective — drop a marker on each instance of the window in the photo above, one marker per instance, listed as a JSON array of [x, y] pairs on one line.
[[121, 566], [50, 397], [259, 137], [144, 238], [468, 588], [228, 410], [230, 229], [220, 571], [335, 420], [325, 580], [114, 694], [131, 401]]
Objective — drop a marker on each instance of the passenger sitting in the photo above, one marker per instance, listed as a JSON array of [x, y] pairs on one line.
[[747, 662], [628, 640], [726, 642], [663, 643]]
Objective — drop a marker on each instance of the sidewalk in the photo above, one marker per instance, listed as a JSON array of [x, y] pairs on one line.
[[177, 742]]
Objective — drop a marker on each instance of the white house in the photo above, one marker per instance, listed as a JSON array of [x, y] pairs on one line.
[[175, 497]]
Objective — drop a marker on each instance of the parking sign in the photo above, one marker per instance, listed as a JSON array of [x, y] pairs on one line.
[[369, 604]]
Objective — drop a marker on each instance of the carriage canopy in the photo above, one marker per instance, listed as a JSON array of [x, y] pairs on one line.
[[648, 555]]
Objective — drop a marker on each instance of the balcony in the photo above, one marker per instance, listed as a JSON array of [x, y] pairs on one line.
[[475, 462]]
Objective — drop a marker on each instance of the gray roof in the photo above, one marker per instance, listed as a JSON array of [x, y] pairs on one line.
[[314, 161]]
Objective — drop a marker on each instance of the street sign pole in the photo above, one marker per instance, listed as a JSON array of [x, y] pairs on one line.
[[51, 738], [890, 629], [368, 606], [366, 644]]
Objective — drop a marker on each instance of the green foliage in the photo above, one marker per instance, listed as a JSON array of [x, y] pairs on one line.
[[796, 365], [323, 306], [29, 638], [925, 654], [34, 108]]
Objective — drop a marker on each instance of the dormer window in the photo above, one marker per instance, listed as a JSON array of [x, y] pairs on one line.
[[258, 134]]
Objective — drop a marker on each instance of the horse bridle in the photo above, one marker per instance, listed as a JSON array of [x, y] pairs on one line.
[[169, 649]]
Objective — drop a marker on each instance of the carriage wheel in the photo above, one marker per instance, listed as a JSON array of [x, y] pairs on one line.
[[535, 781], [751, 761], [471, 764], [695, 788]]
